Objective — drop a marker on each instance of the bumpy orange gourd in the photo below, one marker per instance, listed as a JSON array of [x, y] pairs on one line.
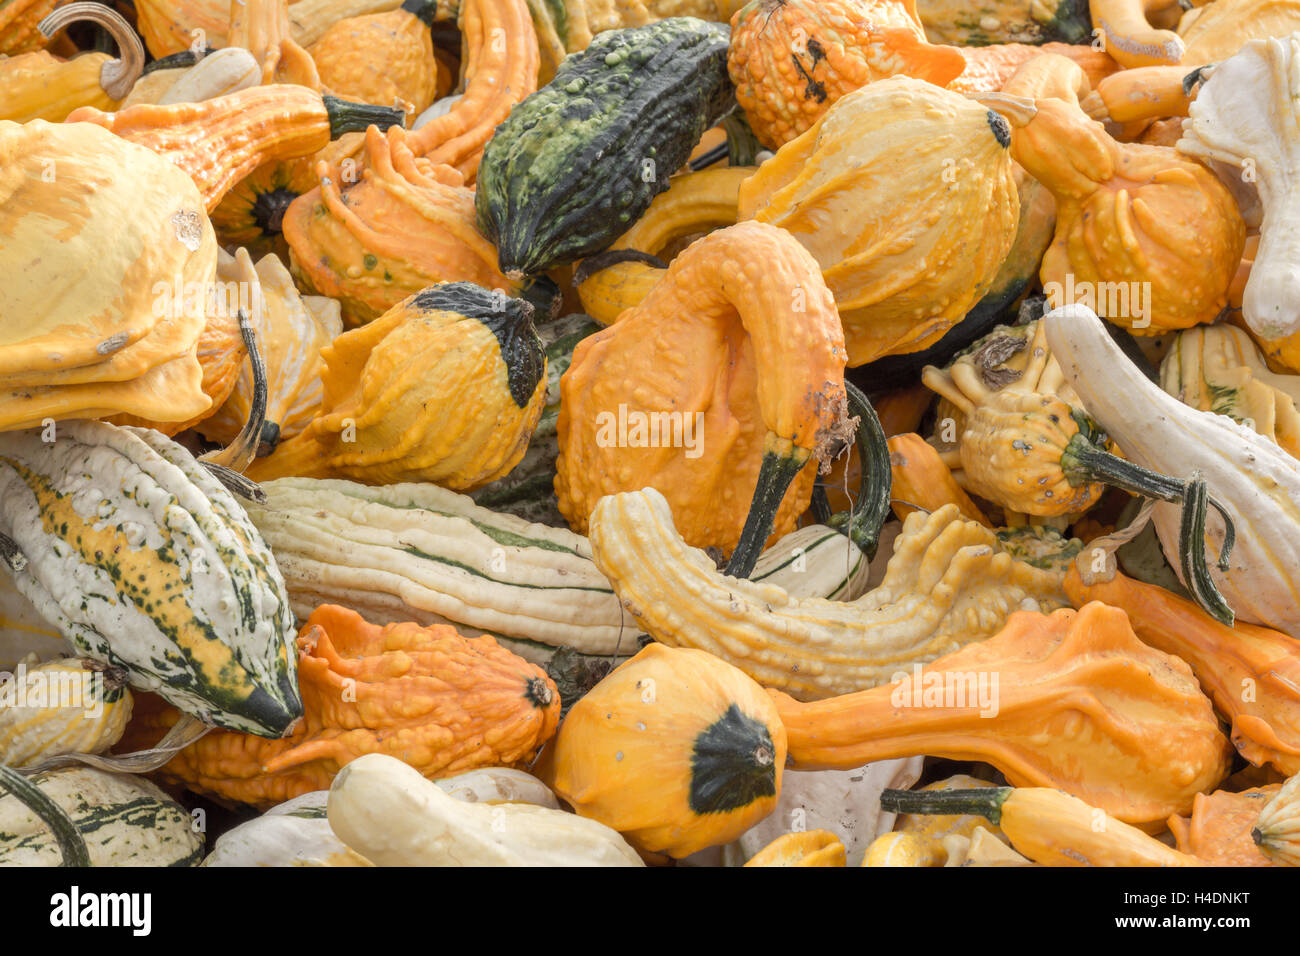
[[18, 25], [445, 387], [221, 140], [792, 59], [1146, 218], [707, 353], [675, 749], [1082, 706], [907, 262], [1265, 723], [381, 57], [397, 227], [441, 702], [989, 67], [1218, 830]]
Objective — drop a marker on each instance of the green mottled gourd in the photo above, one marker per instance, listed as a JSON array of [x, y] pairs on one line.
[[144, 561]]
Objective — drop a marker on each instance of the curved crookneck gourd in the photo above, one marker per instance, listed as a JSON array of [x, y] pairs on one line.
[[801, 848], [905, 263], [675, 749], [947, 584], [1217, 368], [398, 226], [291, 330], [611, 282], [109, 343], [38, 85], [791, 60], [498, 70], [442, 702], [186, 596], [1256, 481], [1184, 233], [693, 392], [445, 387], [1130, 38], [219, 141], [1245, 115], [1081, 705]]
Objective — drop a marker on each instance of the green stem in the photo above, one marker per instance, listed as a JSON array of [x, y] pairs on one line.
[[774, 477], [985, 801], [1083, 462], [348, 117], [71, 843], [11, 554], [862, 524], [742, 145]]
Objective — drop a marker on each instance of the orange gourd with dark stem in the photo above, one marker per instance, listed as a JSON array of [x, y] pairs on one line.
[[441, 702], [1266, 723], [1082, 706], [219, 141], [711, 344]]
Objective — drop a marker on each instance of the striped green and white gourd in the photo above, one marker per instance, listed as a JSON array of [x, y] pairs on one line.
[[125, 821], [418, 552], [144, 561]]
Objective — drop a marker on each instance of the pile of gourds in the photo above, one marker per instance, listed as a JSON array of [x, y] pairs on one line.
[[486, 432]]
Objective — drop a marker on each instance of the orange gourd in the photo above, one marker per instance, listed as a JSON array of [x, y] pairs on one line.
[[1218, 830], [922, 481], [441, 702], [1227, 661], [1127, 215], [792, 59], [398, 226], [708, 349], [1081, 705], [221, 140]]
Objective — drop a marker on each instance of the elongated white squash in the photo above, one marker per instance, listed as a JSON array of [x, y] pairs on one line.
[[1252, 477], [295, 833], [384, 810]]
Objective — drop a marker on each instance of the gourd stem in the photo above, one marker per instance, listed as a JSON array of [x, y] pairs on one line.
[[986, 801], [1195, 573], [116, 77], [774, 477], [176, 61], [863, 523], [11, 554], [424, 10], [71, 843], [1083, 462], [1017, 110], [820, 505], [742, 145], [348, 117], [589, 266], [236, 483], [239, 454]]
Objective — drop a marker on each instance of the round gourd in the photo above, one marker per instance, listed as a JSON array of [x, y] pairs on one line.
[[107, 222], [905, 263], [445, 387], [59, 707], [675, 749]]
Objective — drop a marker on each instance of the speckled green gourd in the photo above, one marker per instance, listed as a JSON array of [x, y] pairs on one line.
[[579, 161], [144, 561]]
